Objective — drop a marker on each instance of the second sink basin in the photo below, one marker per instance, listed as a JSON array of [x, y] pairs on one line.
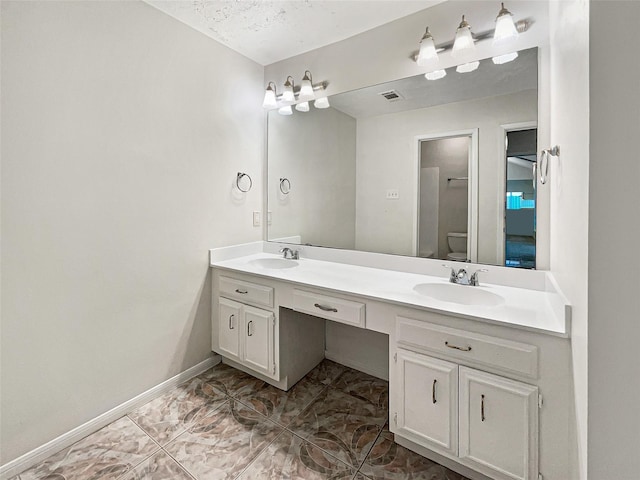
[[274, 263], [460, 294]]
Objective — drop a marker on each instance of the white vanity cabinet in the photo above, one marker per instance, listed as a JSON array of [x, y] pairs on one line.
[[498, 425], [428, 405], [247, 334]]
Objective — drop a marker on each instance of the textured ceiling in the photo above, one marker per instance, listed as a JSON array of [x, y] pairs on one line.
[[270, 31]]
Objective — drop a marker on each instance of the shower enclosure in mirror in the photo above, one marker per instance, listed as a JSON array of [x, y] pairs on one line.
[[412, 167]]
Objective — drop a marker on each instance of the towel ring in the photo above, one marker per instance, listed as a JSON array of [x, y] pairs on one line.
[[543, 167], [285, 185], [239, 177]]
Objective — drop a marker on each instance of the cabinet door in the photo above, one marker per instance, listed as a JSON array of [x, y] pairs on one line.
[[498, 425], [258, 339], [229, 325], [428, 403]]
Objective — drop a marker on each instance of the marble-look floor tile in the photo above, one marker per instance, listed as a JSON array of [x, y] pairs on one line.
[[388, 460], [105, 454], [280, 406], [221, 445], [364, 386], [158, 467], [290, 457], [326, 372], [168, 416], [231, 380], [341, 424]]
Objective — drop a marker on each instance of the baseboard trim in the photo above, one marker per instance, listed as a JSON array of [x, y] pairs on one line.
[[361, 367], [65, 440]]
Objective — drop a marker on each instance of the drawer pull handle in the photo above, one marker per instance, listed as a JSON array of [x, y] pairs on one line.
[[231, 322], [462, 349], [326, 309], [433, 391], [482, 409], [242, 292], [249, 334]]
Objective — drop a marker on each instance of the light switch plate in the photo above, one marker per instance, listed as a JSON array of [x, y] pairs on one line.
[[393, 194], [256, 219]]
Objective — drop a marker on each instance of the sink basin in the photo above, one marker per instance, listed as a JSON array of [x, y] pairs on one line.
[[274, 263], [460, 294]]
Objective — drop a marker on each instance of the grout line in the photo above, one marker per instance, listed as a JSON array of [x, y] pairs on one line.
[[259, 453], [134, 466], [181, 465]]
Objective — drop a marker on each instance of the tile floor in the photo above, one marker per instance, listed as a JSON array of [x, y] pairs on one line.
[[225, 424]]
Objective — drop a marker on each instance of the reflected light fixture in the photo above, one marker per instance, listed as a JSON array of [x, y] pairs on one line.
[[270, 96], [506, 58], [286, 110], [302, 107], [287, 94], [322, 102], [505, 28], [435, 75], [306, 87], [463, 44], [428, 54], [467, 67]]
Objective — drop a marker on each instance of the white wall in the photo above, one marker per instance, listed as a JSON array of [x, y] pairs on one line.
[[569, 182], [614, 229], [386, 150], [122, 132], [321, 205]]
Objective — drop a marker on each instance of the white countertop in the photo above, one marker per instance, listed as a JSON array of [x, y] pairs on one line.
[[535, 310]]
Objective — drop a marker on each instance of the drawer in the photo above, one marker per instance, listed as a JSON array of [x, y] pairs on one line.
[[246, 291], [505, 355], [331, 308]]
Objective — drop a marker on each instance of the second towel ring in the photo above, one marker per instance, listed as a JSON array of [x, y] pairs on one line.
[[543, 167], [239, 178], [285, 185]]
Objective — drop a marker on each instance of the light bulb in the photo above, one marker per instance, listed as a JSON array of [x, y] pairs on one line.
[[463, 44], [435, 75], [306, 88], [287, 94], [467, 67], [322, 102], [506, 58], [286, 110], [302, 107], [270, 97], [505, 28], [427, 54]]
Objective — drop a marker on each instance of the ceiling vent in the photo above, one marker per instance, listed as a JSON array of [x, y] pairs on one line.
[[392, 95]]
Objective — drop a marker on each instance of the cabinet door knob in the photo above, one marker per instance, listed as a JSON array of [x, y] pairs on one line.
[[482, 408], [249, 334], [433, 391], [231, 321]]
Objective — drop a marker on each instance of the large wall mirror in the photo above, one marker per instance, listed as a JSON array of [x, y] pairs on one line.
[[440, 169]]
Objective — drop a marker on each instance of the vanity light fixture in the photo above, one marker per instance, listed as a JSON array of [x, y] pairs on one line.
[[428, 55], [302, 107], [463, 44], [505, 27], [287, 94], [270, 96], [435, 75], [468, 67], [322, 102], [506, 58], [306, 88], [286, 110]]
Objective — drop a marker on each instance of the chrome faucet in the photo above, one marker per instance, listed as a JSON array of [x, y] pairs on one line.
[[461, 277], [288, 253]]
